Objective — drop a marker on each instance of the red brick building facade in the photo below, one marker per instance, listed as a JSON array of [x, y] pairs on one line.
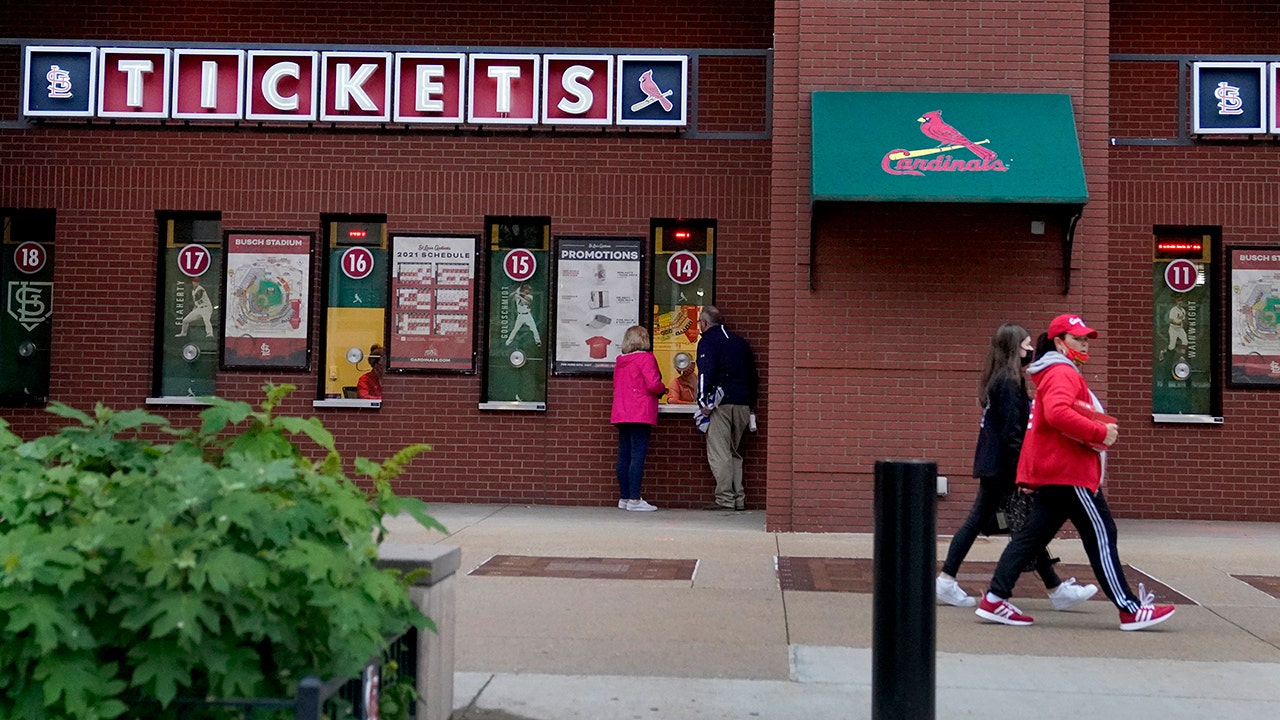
[[869, 319]]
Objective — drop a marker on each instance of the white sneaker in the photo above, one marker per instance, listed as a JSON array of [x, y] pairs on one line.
[[949, 592], [622, 504], [1069, 594], [640, 506]]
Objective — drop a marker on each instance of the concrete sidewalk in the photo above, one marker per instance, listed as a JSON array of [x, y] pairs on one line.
[[730, 643]]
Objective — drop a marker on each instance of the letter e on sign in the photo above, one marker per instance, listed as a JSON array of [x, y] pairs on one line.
[[1181, 275], [684, 267], [193, 260], [357, 263], [520, 264], [30, 257]]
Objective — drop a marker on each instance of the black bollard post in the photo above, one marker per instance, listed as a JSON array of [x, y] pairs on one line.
[[904, 634]]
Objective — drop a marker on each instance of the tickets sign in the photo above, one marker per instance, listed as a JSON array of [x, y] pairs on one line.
[[354, 86]]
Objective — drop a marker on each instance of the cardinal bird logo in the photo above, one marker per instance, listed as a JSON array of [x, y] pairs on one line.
[[653, 94], [909, 162], [932, 125]]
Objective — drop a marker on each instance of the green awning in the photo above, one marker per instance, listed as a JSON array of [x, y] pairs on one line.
[[946, 147]]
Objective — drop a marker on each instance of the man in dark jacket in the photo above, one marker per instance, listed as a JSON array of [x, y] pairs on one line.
[[727, 382]]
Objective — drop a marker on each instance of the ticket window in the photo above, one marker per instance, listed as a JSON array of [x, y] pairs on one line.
[[1184, 382], [355, 307], [188, 312], [26, 320], [515, 372], [683, 277]]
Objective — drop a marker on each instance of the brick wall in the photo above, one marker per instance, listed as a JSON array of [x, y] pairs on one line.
[[883, 350], [1201, 472], [107, 181]]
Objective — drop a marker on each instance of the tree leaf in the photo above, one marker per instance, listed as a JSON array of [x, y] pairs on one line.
[[159, 670]]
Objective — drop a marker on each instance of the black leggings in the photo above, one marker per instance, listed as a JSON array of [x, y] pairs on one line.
[[990, 492], [1051, 506]]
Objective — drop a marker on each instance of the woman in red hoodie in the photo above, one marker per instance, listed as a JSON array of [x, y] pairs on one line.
[[1061, 466], [637, 385]]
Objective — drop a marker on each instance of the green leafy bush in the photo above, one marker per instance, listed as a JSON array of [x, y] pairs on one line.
[[222, 564]]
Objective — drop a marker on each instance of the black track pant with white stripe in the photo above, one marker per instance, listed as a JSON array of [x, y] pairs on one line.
[[1051, 506]]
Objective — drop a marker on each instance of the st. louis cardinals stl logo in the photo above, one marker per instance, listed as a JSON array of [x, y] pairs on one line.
[[913, 162]]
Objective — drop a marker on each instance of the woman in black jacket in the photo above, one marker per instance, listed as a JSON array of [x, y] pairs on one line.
[[1002, 394]]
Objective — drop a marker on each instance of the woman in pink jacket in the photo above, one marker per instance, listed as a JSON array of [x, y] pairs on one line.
[[637, 385]]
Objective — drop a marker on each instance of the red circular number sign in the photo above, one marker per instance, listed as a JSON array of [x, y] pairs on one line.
[[357, 263], [30, 257], [194, 260], [520, 265], [684, 267], [1180, 276]]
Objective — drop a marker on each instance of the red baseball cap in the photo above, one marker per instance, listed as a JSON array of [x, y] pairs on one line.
[[1070, 324]]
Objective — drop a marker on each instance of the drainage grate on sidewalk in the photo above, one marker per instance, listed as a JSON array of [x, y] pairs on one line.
[[1266, 583], [587, 568], [856, 575]]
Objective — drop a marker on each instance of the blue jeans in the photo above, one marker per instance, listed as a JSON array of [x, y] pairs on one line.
[[633, 446]]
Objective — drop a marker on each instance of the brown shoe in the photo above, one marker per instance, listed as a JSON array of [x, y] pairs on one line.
[[718, 507]]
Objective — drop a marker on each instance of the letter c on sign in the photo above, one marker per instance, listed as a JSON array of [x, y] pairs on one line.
[[271, 79]]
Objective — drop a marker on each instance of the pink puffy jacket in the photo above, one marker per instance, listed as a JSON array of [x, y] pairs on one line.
[[637, 385]]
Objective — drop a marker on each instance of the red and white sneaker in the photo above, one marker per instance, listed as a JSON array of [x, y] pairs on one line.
[[1146, 615], [1003, 612]]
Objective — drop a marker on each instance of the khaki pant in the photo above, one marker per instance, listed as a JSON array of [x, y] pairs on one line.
[[724, 435]]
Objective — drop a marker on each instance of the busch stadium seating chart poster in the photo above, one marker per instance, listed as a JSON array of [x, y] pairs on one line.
[[1254, 315], [190, 325], [516, 368], [433, 292], [267, 300], [597, 299]]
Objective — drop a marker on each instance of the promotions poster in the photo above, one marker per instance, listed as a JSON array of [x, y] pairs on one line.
[[190, 324], [1254, 315], [516, 370], [267, 303], [433, 292], [597, 299]]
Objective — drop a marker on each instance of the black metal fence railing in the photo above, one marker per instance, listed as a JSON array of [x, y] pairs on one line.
[[315, 698]]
